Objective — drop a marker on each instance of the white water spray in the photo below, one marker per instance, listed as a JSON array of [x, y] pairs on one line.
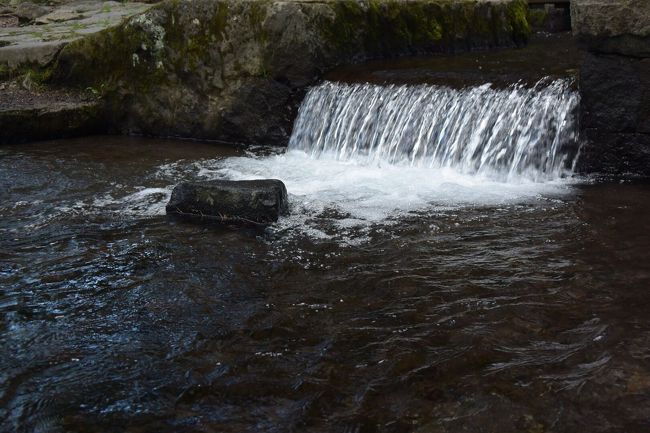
[[505, 134], [362, 155]]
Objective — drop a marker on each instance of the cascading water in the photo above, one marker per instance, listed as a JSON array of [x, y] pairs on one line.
[[371, 153], [505, 134], [366, 154]]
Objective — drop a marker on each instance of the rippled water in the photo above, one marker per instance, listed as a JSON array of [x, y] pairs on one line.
[[463, 307]]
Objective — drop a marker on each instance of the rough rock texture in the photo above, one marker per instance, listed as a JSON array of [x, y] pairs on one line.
[[236, 70], [613, 26], [615, 84], [28, 11], [52, 28], [31, 36], [245, 201]]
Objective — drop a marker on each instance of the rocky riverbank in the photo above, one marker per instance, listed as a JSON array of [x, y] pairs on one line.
[[235, 71], [32, 34]]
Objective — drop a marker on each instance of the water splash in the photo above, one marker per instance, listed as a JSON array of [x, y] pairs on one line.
[[365, 156], [505, 134]]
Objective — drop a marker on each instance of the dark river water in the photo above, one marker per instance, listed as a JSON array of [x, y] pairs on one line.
[[523, 314]]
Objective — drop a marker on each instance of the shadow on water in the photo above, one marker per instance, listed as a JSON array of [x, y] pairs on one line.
[[521, 316]]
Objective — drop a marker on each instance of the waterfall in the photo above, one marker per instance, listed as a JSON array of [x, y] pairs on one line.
[[504, 134]]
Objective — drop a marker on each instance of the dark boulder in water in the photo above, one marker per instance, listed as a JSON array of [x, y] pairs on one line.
[[255, 202]]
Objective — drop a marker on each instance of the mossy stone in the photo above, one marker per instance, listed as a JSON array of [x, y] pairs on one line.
[[204, 68]]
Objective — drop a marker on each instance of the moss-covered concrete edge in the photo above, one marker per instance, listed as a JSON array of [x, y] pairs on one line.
[[141, 48], [173, 69]]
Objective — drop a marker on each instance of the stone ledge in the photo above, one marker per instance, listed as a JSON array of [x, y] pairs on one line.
[[38, 43], [613, 26], [40, 122], [234, 70]]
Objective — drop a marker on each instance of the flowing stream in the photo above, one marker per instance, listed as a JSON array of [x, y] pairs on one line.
[[507, 134], [442, 270]]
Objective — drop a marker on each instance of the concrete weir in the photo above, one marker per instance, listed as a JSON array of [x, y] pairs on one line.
[[236, 71]]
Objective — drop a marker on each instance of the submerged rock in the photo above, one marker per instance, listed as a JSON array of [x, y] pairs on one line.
[[246, 201]]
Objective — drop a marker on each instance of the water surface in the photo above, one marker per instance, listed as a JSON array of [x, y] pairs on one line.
[[468, 306]]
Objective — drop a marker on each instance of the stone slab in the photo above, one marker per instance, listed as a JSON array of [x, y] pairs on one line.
[[39, 42]]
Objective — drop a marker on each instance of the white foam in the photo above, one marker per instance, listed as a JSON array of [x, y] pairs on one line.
[[144, 202], [330, 199], [356, 194]]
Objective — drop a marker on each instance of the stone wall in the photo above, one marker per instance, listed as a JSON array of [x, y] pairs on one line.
[[615, 84], [236, 70]]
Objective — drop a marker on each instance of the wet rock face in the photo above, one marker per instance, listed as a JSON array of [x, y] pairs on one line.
[[615, 107], [246, 202], [236, 71], [615, 84]]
